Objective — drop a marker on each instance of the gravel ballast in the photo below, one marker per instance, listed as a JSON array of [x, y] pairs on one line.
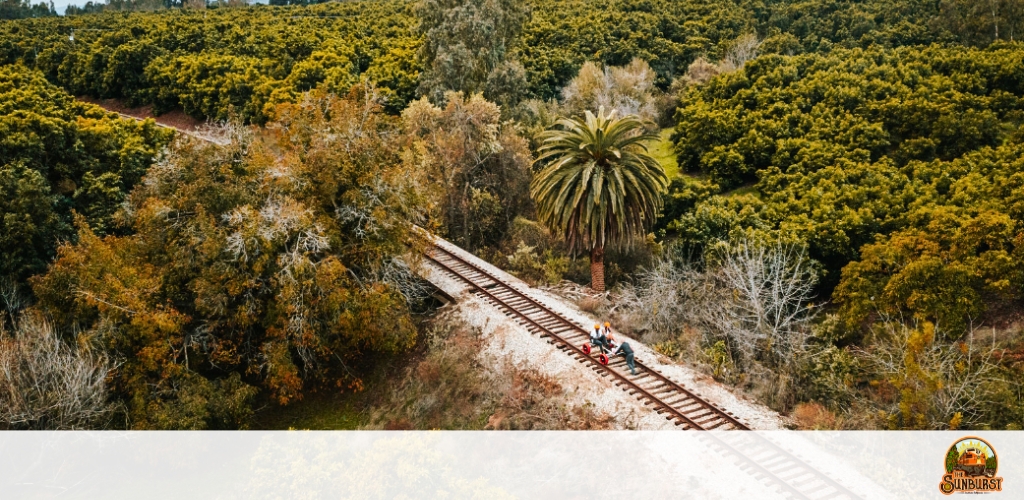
[[505, 339]]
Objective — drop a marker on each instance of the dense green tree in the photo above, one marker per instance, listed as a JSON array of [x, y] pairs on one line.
[[888, 164], [467, 46], [219, 87], [29, 228], [982, 22], [59, 156], [952, 457], [885, 137], [962, 252], [598, 187], [260, 267], [809, 112], [477, 169], [21, 9], [224, 62], [562, 36]]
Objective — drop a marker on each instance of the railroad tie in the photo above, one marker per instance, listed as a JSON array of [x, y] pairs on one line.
[[686, 409]]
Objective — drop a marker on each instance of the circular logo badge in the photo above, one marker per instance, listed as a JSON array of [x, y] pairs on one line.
[[971, 465]]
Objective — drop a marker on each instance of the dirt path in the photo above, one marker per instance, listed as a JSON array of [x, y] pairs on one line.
[[505, 339], [176, 120]]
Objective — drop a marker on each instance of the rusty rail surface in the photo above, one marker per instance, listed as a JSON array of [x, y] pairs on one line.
[[759, 456], [683, 407]]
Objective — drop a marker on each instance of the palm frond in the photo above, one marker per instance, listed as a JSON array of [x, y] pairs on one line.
[[598, 186]]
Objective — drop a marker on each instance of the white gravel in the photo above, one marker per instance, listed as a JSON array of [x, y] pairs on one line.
[[506, 339]]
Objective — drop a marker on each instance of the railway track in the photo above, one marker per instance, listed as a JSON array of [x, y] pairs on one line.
[[679, 405], [757, 455]]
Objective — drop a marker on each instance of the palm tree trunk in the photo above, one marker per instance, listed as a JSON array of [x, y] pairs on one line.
[[597, 269]]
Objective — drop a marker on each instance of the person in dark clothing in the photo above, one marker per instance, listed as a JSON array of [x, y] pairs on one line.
[[626, 350]]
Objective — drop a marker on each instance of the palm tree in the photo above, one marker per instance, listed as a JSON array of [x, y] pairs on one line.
[[599, 186]]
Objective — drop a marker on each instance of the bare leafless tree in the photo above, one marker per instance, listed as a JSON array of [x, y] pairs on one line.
[[47, 384], [10, 297], [766, 305], [699, 72], [755, 296], [397, 273], [743, 49], [663, 299], [628, 89], [947, 378]]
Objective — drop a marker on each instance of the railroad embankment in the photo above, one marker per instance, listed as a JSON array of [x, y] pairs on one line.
[[507, 340]]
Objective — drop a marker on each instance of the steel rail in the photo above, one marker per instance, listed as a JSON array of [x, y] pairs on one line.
[[689, 397], [654, 373], [676, 414], [582, 356], [547, 332]]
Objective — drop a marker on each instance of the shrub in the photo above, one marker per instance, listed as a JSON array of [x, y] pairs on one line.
[[455, 386], [47, 384], [255, 266]]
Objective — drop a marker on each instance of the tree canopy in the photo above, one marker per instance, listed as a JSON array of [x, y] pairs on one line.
[[59, 156], [22, 9], [597, 186], [258, 267], [900, 161], [870, 150], [223, 62]]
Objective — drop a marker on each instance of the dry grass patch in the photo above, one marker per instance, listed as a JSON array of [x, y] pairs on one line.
[[451, 387]]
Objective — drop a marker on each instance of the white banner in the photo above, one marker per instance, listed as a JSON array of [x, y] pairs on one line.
[[486, 465]]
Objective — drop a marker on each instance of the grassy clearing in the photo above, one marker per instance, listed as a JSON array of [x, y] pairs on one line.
[[663, 151], [333, 412], [742, 190]]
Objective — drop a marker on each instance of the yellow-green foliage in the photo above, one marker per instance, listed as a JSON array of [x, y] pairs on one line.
[[255, 266], [477, 168], [904, 162], [58, 155], [662, 150], [222, 62], [242, 61], [805, 113], [950, 263]]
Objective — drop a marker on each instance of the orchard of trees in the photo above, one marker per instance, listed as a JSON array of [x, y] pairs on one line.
[[820, 202], [224, 63], [897, 168], [60, 157]]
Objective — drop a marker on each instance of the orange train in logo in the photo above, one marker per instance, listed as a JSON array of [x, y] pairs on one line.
[[971, 465], [972, 462]]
